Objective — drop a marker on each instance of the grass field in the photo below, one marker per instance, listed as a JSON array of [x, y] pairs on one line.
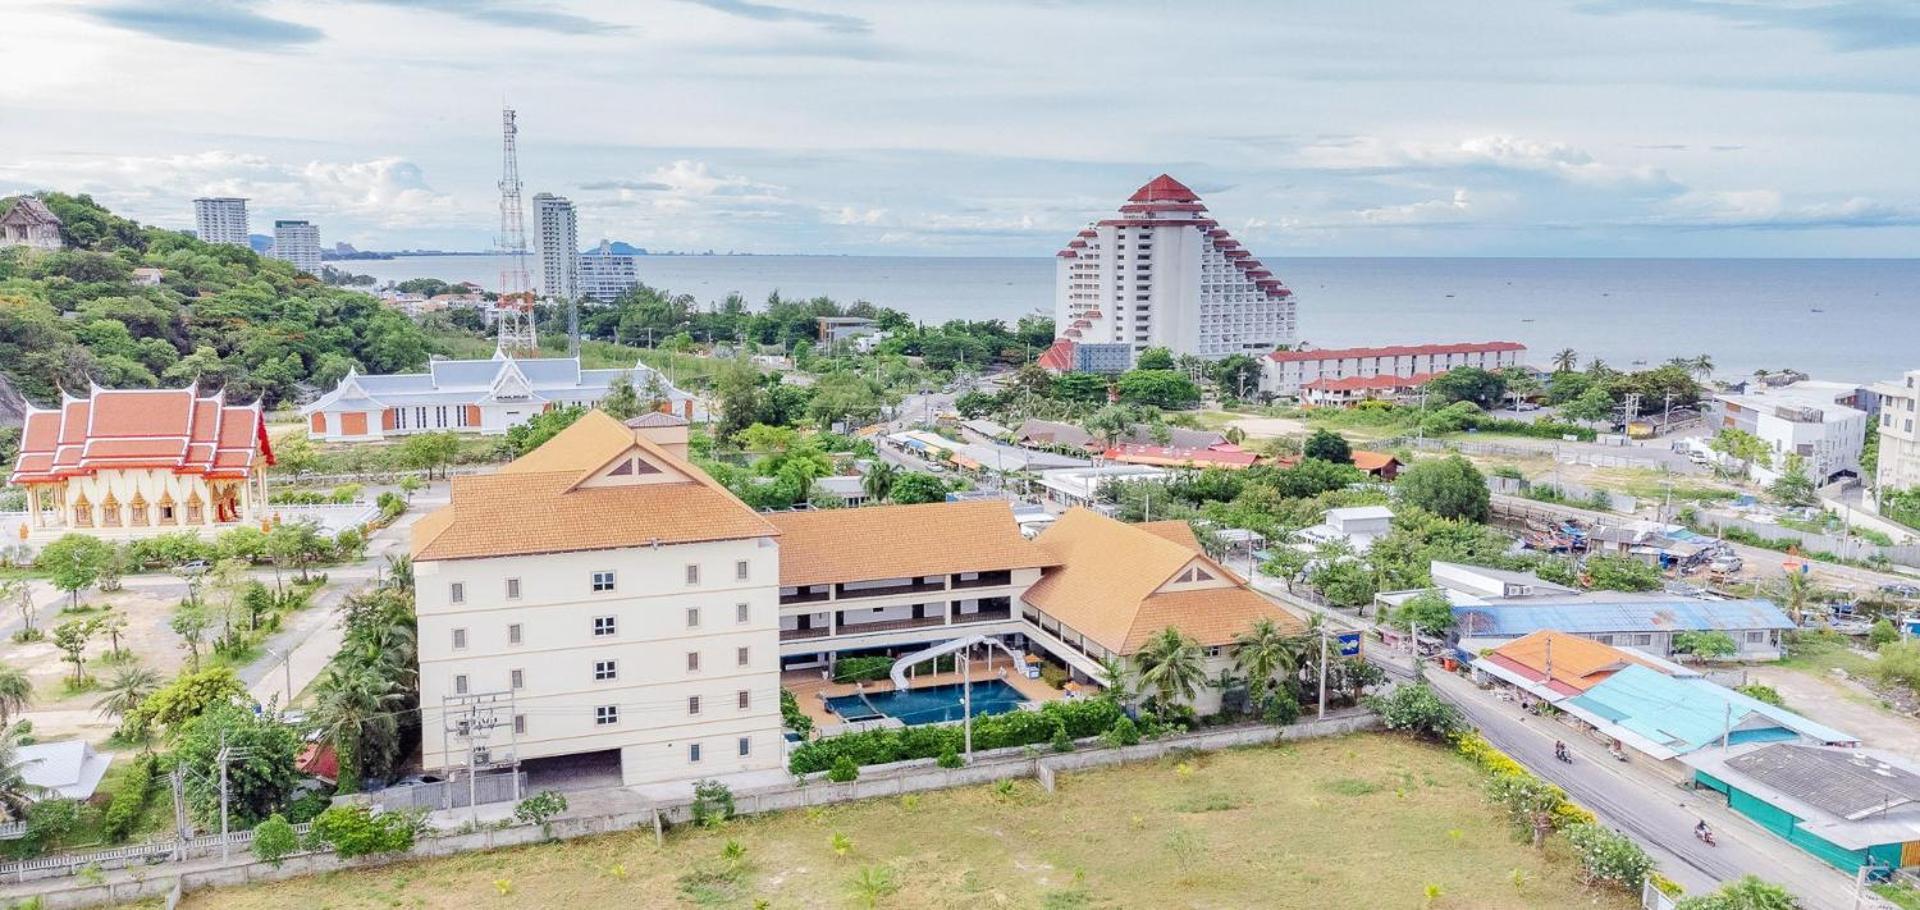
[[1362, 821]]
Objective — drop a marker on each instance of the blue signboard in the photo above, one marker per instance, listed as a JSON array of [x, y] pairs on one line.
[[1349, 644]]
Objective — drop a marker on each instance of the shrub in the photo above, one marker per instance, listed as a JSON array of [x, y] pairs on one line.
[[712, 803], [862, 669], [353, 830], [1609, 857], [949, 759], [791, 715], [536, 809], [843, 770], [1705, 644], [129, 800], [1883, 633], [1061, 741], [1418, 710], [1761, 693], [274, 839], [1123, 733], [47, 822], [1280, 709], [1081, 717]]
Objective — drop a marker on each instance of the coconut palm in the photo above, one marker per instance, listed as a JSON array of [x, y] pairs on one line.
[[879, 480], [400, 573], [15, 793], [126, 690], [1565, 360], [16, 693], [1170, 665], [1264, 653], [352, 710], [1598, 367], [1702, 365]]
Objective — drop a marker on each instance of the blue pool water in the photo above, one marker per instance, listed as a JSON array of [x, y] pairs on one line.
[[931, 705]]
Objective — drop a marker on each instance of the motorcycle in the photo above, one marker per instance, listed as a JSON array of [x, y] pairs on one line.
[[1705, 835]]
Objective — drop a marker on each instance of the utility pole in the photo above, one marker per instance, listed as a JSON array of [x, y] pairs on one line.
[[226, 757], [1323, 675], [471, 720], [966, 699]]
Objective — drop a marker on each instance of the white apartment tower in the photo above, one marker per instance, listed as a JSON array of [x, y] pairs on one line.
[[557, 235], [221, 219], [297, 242], [605, 275], [1165, 274], [1899, 467]]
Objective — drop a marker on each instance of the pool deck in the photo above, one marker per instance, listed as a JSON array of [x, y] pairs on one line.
[[812, 690]]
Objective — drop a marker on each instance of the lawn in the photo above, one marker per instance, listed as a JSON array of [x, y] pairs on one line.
[[1361, 821]]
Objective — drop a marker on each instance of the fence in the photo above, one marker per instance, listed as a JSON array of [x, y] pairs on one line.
[[13, 830], [1843, 547], [1576, 493], [1652, 898], [1545, 448], [147, 853], [487, 788]]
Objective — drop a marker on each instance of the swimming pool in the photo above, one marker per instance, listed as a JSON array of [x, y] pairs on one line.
[[932, 705]]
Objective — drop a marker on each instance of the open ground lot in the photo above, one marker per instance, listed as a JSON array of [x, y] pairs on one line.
[[1360, 821]]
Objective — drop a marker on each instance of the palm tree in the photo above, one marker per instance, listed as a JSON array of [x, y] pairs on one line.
[[16, 693], [1702, 365], [400, 573], [15, 793], [1170, 664], [879, 480], [1598, 367], [350, 702], [1798, 592], [126, 690], [1566, 360], [1263, 653]]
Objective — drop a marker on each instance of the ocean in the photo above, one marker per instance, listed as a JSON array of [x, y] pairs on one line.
[[1843, 319]]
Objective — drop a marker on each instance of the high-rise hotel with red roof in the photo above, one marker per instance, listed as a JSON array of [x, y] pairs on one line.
[[1165, 274]]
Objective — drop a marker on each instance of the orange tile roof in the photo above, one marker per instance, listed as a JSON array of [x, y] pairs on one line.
[[174, 429], [1579, 663], [536, 504], [937, 538], [1371, 461], [1178, 531], [1104, 587]]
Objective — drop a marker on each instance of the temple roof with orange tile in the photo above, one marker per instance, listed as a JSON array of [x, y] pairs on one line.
[[177, 430]]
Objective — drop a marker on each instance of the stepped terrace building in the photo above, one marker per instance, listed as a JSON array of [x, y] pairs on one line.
[[602, 599], [1165, 274], [1336, 373], [474, 396], [123, 462]]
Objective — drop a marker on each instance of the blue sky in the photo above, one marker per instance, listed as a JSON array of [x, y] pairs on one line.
[[986, 127]]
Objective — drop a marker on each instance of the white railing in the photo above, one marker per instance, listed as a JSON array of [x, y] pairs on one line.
[[149, 852]]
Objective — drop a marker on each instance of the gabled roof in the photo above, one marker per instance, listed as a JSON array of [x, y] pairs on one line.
[[29, 210], [1372, 461], [1568, 664], [70, 769], [1218, 456], [1104, 587], [470, 381], [173, 429], [538, 503], [1668, 716], [936, 538], [1604, 612]]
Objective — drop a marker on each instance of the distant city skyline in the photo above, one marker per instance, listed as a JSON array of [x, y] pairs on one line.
[[1400, 128]]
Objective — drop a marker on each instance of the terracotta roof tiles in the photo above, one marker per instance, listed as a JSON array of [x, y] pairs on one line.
[[877, 542], [174, 429]]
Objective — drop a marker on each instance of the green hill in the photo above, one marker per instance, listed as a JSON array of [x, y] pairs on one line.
[[221, 316]]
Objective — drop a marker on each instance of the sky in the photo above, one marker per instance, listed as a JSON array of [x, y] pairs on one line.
[[1736, 128]]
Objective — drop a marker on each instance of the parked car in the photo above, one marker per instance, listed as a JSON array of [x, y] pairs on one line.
[[1726, 563]]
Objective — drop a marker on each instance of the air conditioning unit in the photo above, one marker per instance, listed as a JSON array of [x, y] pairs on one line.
[[483, 756]]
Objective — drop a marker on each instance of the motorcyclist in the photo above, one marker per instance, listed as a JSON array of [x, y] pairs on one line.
[[1703, 832], [1560, 750]]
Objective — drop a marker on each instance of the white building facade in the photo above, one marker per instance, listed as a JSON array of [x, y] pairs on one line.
[[1165, 274], [557, 241], [221, 219], [297, 242], [1803, 419], [1288, 373], [1899, 467], [605, 275]]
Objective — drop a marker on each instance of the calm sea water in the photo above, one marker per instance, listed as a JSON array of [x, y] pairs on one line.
[[1851, 319]]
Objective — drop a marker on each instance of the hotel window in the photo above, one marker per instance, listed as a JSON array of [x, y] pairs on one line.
[[604, 626], [604, 670], [693, 704], [742, 612], [746, 745], [740, 656], [520, 725], [745, 698], [460, 684], [399, 418], [457, 593], [513, 589], [741, 570], [420, 417], [516, 679], [459, 639], [693, 661], [603, 581], [513, 634], [693, 617], [693, 753], [693, 574], [606, 715]]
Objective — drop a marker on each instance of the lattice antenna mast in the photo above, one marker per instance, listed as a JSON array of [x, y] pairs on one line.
[[515, 308]]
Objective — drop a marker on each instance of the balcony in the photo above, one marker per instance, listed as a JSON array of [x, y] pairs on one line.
[[914, 586], [988, 615], [889, 625], [986, 580], [805, 595], [802, 634]]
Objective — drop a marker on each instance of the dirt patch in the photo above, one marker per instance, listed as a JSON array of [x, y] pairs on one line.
[[147, 635], [1270, 427], [1845, 704]]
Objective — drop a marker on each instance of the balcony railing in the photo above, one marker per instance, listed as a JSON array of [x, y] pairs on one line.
[[804, 597], [1003, 613], [913, 587], [889, 625], [802, 634], [986, 580]]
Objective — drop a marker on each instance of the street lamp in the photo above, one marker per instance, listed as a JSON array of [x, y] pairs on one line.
[[286, 661]]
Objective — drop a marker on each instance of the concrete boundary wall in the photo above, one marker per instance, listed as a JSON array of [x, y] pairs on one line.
[[893, 779]]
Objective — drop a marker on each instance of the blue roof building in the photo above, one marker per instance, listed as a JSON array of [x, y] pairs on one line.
[[1666, 716], [1643, 622]]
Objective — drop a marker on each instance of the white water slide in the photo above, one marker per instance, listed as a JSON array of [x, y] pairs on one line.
[[949, 647]]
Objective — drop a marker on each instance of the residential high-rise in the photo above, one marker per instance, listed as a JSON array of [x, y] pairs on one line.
[[221, 219], [1899, 467], [1165, 274], [297, 242], [605, 275], [557, 238]]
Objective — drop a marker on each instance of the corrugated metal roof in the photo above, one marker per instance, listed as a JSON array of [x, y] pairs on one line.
[[1847, 783], [1686, 714], [1600, 614]]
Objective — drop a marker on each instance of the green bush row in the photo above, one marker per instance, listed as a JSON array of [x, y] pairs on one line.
[[1080, 718], [129, 800]]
